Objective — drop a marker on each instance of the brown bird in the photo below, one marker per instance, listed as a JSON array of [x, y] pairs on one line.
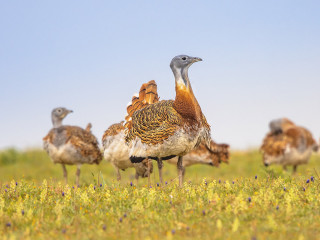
[[70, 145], [116, 152], [167, 129], [212, 156], [287, 144]]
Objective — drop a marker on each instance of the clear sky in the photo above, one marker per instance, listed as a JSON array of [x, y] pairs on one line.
[[261, 60]]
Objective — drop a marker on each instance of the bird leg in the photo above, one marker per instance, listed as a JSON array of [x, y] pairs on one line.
[[78, 174], [149, 168], [65, 173], [160, 165], [285, 168], [137, 177], [118, 174], [295, 169], [180, 171], [183, 172]]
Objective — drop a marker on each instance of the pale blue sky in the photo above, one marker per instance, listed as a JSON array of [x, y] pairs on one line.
[[261, 61]]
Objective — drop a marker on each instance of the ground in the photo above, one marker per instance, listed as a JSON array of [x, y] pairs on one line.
[[241, 200]]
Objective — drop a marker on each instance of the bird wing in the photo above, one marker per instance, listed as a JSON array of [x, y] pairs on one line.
[[84, 141], [275, 144], [113, 130], [219, 152], [154, 123], [309, 138]]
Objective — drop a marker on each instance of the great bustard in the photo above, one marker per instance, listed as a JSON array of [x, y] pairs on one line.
[[70, 145], [170, 128], [287, 144]]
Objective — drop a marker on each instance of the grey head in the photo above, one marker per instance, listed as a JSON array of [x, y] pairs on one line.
[[58, 114], [180, 65], [280, 125], [276, 125]]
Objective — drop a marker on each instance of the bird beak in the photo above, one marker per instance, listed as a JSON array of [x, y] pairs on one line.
[[196, 59], [70, 111]]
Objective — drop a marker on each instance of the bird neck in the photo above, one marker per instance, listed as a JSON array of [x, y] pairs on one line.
[[57, 122], [185, 102]]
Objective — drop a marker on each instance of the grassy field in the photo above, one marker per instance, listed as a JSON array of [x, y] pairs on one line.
[[241, 200]]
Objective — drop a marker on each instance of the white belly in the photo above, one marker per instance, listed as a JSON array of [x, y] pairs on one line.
[[116, 151], [291, 156], [66, 154], [295, 157], [179, 144]]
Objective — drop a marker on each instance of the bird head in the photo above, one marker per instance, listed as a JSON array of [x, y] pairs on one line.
[[180, 65], [280, 125], [60, 112], [183, 61]]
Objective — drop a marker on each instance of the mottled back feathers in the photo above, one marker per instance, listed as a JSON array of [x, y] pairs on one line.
[[288, 135], [81, 139]]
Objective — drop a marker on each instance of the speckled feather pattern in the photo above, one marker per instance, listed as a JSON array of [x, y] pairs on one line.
[[154, 123], [292, 145], [81, 142], [275, 144]]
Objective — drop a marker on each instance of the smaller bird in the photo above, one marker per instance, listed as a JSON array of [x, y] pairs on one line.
[[287, 144], [70, 145], [116, 152], [212, 156]]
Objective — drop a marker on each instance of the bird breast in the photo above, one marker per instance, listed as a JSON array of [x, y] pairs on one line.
[[179, 144]]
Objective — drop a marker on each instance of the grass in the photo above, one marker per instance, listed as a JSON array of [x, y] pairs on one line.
[[228, 202]]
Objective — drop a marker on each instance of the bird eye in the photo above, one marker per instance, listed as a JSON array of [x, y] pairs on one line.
[[184, 58], [59, 110]]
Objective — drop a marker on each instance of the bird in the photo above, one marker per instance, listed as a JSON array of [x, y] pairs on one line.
[[70, 145], [168, 128], [287, 144], [117, 152], [212, 156]]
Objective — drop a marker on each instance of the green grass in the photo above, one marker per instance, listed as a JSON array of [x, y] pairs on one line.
[[41, 206]]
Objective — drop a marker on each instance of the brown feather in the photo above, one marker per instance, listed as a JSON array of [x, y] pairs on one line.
[[81, 139], [274, 144], [113, 130], [147, 95]]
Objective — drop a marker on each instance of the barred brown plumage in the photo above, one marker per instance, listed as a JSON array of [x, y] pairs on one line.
[[167, 128], [71, 144], [287, 144]]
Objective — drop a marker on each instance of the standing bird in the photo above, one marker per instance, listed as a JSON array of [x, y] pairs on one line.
[[169, 128], [70, 144], [287, 144], [212, 156], [116, 152]]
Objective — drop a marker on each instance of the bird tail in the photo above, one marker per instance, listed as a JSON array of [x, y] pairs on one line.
[[147, 95], [88, 127]]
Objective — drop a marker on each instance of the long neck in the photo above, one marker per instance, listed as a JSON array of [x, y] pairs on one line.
[[57, 122], [185, 103]]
